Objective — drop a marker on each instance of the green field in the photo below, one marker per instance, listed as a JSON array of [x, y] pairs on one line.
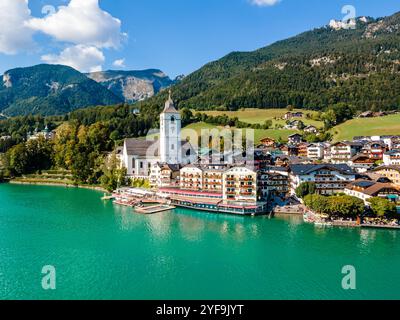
[[259, 116], [258, 134], [389, 125]]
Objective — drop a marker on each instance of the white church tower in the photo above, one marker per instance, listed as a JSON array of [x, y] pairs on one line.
[[170, 133]]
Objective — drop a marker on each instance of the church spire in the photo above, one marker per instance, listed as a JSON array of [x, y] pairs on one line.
[[169, 104]]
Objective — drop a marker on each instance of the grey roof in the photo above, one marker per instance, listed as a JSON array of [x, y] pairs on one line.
[[301, 169], [140, 147]]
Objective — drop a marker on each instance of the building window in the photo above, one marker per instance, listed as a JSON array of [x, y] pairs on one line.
[[141, 165], [172, 147]]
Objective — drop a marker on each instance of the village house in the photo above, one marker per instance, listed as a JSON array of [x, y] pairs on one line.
[[302, 149], [392, 158], [46, 134], [390, 172], [375, 149], [240, 184], [342, 152], [311, 129], [164, 175], [291, 115], [328, 178], [273, 183], [295, 139], [268, 142], [365, 190], [315, 151], [361, 163]]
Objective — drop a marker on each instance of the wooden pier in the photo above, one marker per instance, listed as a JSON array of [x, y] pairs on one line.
[[154, 209]]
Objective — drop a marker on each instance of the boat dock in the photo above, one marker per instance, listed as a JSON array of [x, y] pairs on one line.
[[154, 209]]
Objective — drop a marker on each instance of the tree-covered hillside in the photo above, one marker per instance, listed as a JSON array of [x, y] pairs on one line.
[[314, 70], [50, 90]]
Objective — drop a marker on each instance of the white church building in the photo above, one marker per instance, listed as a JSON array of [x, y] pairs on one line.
[[139, 156]]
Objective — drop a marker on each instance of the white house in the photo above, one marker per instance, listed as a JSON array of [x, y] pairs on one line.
[[328, 178], [315, 151], [392, 158]]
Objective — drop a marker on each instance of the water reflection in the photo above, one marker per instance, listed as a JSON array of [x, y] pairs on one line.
[[192, 226]]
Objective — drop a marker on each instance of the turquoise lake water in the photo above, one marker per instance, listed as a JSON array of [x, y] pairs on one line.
[[101, 251]]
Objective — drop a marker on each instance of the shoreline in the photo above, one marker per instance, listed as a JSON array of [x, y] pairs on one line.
[[62, 185]]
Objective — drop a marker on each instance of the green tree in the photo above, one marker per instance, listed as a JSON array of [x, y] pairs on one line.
[[317, 203], [345, 206], [17, 160], [113, 173], [383, 207], [305, 189]]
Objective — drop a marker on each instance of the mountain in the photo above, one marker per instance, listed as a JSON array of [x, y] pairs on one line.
[[50, 90], [358, 66], [133, 86]]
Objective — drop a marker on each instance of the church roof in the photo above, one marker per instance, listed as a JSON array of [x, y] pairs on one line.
[[139, 147], [170, 106]]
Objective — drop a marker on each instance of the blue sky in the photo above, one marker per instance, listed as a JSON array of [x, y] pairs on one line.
[[176, 36]]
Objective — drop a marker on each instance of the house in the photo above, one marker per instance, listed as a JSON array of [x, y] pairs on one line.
[[212, 177], [390, 172], [240, 184], [366, 114], [282, 161], [46, 134], [365, 190], [273, 184], [392, 158], [311, 129], [361, 163], [191, 177], [294, 125], [375, 149], [315, 151], [302, 149], [328, 178], [342, 152], [295, 139], [291, 115], [164, 175], [268, 142]]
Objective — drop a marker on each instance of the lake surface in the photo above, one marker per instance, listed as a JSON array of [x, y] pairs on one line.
[[101, 251]]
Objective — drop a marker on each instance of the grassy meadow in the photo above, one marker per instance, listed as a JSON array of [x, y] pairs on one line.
[[388, 125]]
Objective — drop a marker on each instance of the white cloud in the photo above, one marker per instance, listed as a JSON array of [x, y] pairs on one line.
[[264, 3], [81, 22], [14, 35], [120, 63], [80, 57]]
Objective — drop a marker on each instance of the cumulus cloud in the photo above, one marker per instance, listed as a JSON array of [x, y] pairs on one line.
[[15, 36], [120, 63], [81, 22], [264, 3], [80, 57]]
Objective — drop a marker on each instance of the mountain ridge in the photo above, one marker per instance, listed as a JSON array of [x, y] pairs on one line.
[[50, 90], [135, 85], [315, 69]]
